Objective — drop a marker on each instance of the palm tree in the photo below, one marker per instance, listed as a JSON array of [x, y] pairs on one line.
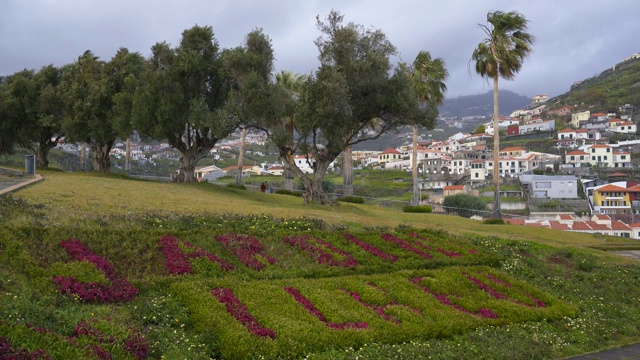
[[501, 54], [292, 83], [428, 83]]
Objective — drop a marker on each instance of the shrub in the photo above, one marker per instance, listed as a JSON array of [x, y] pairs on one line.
[[494, 221], [552, 204], [464, 204], [236, 186], [417, 209], [352, 199], [288, 192]]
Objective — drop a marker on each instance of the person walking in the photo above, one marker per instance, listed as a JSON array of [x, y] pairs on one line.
[[263, 186]]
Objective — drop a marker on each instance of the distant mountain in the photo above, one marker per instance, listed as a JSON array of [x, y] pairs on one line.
[[482, 105]]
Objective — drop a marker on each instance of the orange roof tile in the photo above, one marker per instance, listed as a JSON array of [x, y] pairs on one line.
[[580, 225], [577, 152], [567, 130], [558, 225], [595, 226], [391, 151], [599, 146], [619, 225], [454, 187], [565, 217], [610, 187]]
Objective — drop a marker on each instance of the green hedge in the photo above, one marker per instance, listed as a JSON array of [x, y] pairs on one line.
[[417, 209], [352, 199]]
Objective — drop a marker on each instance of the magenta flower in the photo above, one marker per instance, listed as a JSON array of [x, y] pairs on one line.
[[247, 249], [240, 313], [373, 250], [405, 245], [7, 351], [482, 312], [323, 252], [419, 241], [308, 305], [118, 291], [178, 261]]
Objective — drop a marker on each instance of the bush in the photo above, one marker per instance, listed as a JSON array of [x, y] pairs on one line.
[[464, 204], [288, 192], [417, 209], [351, 199], [235, 186], [494, 221]]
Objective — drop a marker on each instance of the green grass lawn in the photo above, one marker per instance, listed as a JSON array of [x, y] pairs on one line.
[[98, 264]]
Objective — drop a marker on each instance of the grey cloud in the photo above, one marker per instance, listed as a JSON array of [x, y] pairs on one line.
[[576, 39]]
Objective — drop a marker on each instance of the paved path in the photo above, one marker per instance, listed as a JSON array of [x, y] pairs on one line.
[[12, 183], [627, 352]]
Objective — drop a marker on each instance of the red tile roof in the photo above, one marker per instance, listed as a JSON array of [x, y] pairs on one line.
[[619, 225], [454, 187], [558, 225], [391, 151], [610, 187], [580, 225], [565, 217]]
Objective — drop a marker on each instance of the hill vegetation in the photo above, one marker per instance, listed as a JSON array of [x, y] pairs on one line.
[[104, 266], [613, 88]]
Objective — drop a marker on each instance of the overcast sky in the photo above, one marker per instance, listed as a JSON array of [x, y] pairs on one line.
[[575, 39]]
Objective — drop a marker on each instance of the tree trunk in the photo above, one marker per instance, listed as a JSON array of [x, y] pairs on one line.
[[100, 156], [288, 173], [347, 172], [83, 155], [414, 167], [42, 154], [497, 214], [127, 157], [241, 156]]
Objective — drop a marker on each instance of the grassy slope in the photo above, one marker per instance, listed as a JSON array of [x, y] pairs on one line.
[[70, 196], [74, 200]]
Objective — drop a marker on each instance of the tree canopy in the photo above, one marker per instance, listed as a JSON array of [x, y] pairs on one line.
[[353, 96], [180, 98]]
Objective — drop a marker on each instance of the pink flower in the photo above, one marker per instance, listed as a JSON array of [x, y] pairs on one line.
[[178, 261], [240, 313], [323, 252], [308, 305], [405, 245], [118, 291], [247, 249], [482, 312], [373, 250]]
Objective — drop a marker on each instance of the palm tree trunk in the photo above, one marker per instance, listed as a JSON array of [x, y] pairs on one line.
[[414, 167], [241, 156], [496, 150], [347, 172]]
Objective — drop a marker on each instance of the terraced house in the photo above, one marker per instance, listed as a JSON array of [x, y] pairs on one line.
[[619, 200]]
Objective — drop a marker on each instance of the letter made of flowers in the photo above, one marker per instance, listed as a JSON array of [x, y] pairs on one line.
[[178, 261], [119, 290]]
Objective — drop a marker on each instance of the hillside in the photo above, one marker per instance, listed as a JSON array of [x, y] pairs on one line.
[[104, 266], [614, 87], [482, 104]]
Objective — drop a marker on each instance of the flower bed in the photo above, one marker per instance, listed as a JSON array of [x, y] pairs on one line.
[[248, 250], [307, 304], [119, 290], [8, 351], [371, 249], [240, 313], [420, 241], [178, 262], [405, 245], [324, 253], [444, 299]]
